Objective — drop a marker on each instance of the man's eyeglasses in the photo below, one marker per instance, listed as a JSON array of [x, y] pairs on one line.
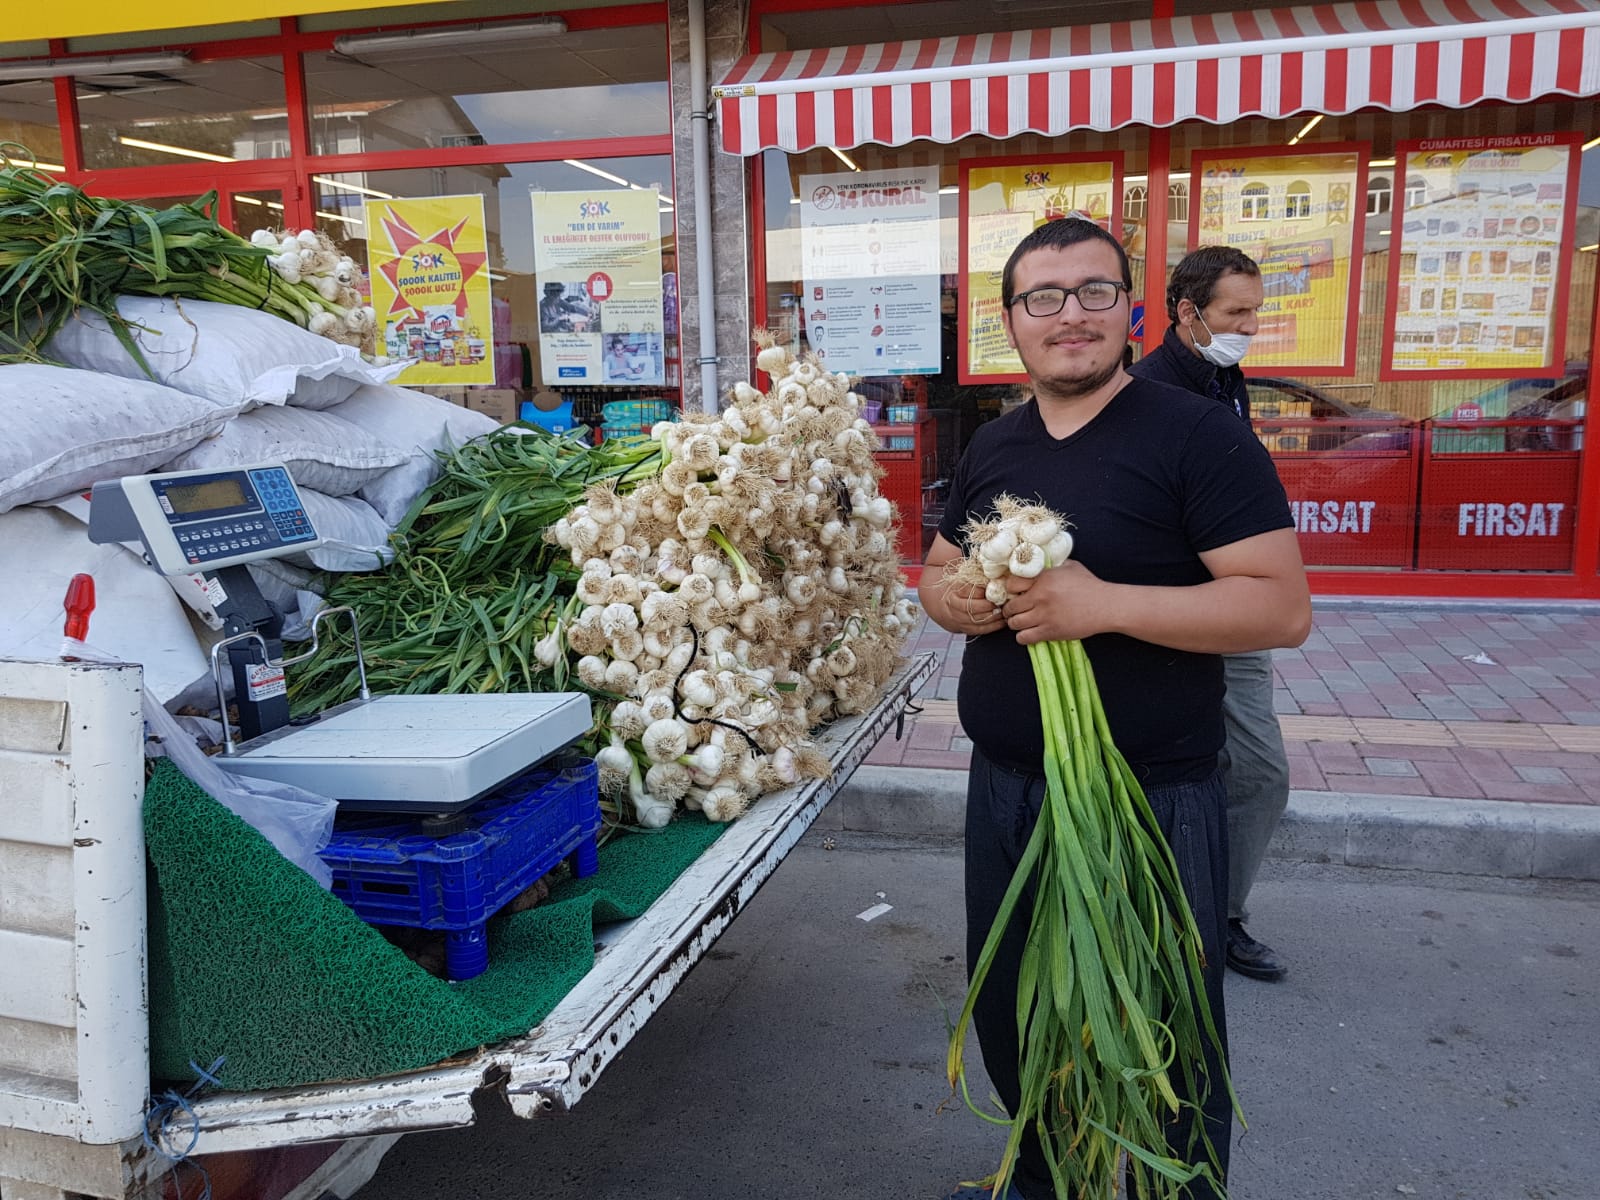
[[1095, 296]]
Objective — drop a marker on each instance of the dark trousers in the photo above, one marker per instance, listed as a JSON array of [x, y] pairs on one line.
[[1002, 807]]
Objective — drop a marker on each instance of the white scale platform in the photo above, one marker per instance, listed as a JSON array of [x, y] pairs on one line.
[[420, 754]]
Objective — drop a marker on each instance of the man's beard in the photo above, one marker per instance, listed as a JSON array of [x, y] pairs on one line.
[[1058, 387]]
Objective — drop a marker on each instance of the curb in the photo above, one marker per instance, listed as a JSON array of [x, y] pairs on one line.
[[1510, 839]]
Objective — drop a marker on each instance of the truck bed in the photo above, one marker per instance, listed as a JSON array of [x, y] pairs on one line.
[[638, 963]]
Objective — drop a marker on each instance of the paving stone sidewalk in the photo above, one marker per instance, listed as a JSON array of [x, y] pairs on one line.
[[1459, 702]]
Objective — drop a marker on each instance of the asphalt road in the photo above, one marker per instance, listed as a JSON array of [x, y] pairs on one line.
[[1437, 1038]]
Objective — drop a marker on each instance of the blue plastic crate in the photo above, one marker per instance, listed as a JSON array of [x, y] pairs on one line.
[[622, 429], [637, 412], [391, 874]]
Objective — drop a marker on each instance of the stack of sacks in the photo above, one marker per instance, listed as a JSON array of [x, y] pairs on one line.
[[359, 450], [232, 386]]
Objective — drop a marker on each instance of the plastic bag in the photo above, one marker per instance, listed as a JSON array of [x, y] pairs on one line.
[[297, 822]]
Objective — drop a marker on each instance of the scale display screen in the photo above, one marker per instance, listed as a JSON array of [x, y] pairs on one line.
[[210, 496], [203, 520]]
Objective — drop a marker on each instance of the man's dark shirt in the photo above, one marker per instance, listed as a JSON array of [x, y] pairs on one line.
[[1157, 478], [1173, 362]]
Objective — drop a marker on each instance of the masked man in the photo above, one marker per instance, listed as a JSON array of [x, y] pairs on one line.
[[1213, 297]]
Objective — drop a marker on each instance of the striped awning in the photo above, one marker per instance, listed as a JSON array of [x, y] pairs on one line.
[[1219, 67]]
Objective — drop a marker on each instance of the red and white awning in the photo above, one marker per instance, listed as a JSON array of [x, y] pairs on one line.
[[1333, 59]]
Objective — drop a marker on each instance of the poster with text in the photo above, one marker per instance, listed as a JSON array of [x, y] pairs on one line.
[[1300, 216], [1482, 245], [597, 258], [1002, 201], [869, 245], [428, 260]]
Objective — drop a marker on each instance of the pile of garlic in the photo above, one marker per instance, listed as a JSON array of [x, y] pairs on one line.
[[326, 279], [746, 595]]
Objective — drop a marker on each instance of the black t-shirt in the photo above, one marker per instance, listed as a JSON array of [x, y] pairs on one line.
[[1157, 477], [1173, 362]]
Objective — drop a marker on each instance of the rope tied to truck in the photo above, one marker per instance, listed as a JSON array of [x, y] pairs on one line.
[[165, 1109]]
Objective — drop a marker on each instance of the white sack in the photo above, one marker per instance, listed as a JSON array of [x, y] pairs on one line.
[[137, 618], [322, 451], [233, 356], [355, 537], [66, 429], [418, 423]]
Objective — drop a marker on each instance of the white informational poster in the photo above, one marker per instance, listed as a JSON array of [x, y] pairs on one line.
[[869, 242], [598, 260]]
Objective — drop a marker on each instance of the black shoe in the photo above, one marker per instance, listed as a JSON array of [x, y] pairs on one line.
[[1250, 957]]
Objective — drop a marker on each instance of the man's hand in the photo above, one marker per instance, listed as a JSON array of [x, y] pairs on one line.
[[966, 610], [1061, 604], [957, 607]]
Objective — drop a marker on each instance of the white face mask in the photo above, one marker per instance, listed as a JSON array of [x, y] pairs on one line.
[[1224, 349]]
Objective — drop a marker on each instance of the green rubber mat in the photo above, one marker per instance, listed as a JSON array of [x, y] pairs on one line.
[[251, 960]]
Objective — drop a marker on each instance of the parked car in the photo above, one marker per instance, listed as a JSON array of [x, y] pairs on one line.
[[1557, 400], [1316, 420]]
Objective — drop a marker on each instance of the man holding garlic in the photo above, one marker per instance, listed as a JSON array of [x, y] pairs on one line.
[[1183, 551]]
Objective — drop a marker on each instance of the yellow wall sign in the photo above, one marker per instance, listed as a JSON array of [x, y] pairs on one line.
[[1300, 216], [86, 18], [1002, 201], [429, 263]]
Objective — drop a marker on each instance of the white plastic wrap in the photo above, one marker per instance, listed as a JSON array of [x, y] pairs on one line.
[[297, 822]]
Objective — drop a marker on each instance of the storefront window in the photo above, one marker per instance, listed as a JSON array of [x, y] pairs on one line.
[[28, 118], [584, 84], [257, 210], [1430, 471], [509, 191], [222, 111]]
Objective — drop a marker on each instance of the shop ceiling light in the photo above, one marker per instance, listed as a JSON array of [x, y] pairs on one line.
[[52, 168], [183, 151], [363, 45], [844, 158], [125, 64], [352, 187], [1306, 128], [594, 170], [1591, 143]]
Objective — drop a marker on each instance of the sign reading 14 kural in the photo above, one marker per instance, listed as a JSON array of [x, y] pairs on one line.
[[869, 244], [1483, 240], [597, 256]]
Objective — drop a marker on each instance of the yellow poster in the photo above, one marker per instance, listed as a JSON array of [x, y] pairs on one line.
[[601, 315], [1002, 201], [1483, 241], [1296, 215], [428, 259]]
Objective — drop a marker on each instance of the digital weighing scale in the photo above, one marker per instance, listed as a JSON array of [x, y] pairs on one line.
[[425, 755]]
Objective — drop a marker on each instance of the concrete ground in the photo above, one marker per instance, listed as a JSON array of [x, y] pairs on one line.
[[1435, 1039]]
